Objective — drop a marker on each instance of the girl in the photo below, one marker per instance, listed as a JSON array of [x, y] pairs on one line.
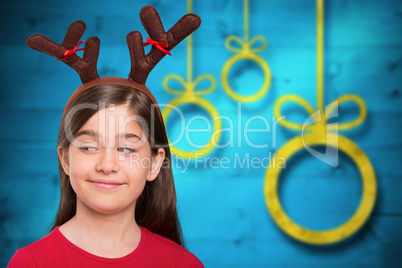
[[118, 201]]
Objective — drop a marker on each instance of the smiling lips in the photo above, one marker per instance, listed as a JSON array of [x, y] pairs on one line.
[[106, 184]]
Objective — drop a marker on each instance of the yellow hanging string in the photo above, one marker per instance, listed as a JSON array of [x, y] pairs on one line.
[[189, 48], [320, 60], [189, 94], [246, 22]]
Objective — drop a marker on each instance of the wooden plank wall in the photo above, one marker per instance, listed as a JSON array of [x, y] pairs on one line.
[[222, 209]]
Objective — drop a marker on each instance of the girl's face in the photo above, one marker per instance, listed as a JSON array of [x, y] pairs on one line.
[[110, 161]]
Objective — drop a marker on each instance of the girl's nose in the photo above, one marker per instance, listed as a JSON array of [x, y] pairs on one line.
[[108, 161]]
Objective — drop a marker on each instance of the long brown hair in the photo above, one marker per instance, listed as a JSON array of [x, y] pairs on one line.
[[156, 207]]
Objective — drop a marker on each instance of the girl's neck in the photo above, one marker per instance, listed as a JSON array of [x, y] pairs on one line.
[[105, 235]]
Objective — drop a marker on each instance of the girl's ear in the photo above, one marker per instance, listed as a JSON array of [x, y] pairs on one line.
[[156, 164], [63, 156]]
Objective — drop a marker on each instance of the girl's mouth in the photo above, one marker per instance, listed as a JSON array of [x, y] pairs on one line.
[[106, 184]]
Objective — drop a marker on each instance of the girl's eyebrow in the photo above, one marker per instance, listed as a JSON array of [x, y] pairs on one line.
[[88, 132], [95, 134], [127, 136]]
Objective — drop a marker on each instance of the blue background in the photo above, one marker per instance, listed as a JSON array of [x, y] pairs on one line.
[[222, 210]]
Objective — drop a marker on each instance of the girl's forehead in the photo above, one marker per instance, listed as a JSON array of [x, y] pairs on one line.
[[115, 119], [112, 112]]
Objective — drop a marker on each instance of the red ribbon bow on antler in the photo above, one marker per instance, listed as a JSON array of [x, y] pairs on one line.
[[158, 45], [68, 53]]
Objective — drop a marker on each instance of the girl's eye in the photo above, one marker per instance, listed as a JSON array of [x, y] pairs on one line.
[[125, 150], [88, 148]]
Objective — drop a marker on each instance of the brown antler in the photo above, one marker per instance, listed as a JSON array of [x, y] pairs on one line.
[[141, 64], [85, 67]]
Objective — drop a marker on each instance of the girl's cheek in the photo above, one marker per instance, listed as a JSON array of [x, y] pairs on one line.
[[136, 161]]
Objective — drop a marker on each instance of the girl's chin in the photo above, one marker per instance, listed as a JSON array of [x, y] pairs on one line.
[[107, 206], [107, 210]]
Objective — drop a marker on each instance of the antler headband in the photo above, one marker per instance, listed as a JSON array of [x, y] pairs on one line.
[[141, 65]]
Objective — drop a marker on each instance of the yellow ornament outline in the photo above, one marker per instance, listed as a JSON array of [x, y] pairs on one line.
[[346, 229], [248, 53], [192, 96], [320, 135]]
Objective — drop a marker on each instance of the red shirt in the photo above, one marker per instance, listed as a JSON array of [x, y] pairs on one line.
[[55, 250]]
